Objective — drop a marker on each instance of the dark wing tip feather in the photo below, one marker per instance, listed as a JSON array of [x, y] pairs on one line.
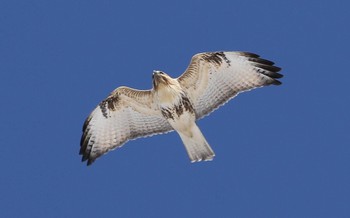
[[261, 61], [84, 142], [269, 68], [274, 76], [249, 54], [276, 82], [90, 161], [270, 73], [265, 67], [87, 157], [84, 151], [86, 123], [84, 158]]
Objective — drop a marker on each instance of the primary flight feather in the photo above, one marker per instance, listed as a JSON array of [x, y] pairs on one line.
[[211, 79]]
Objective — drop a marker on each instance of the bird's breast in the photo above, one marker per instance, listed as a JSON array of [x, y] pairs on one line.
[[179, 114]]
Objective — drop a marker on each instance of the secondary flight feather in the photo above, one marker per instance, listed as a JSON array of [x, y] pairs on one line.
[[211, 79]]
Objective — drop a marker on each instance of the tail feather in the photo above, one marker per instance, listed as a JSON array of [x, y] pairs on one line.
[[196, 146]]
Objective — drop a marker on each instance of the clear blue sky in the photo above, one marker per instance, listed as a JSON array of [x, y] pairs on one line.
[[280, 151]]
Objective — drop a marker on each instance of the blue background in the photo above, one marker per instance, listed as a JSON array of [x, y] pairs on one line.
[[280, 151]]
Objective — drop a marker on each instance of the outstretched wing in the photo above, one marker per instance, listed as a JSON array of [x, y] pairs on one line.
[[124, 115], [213, 78]]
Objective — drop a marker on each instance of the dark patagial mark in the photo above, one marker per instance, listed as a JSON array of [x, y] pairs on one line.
[[187, 104], [179, 109], [167, 113], [216, 58], [109, 104]]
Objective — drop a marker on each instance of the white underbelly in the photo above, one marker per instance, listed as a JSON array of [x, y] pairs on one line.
[[184, 122]]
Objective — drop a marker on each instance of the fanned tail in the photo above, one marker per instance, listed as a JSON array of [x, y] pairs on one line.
[[196, 146]]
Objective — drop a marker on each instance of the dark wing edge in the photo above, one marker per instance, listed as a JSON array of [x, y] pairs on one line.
[[123, 103], [265, 67]]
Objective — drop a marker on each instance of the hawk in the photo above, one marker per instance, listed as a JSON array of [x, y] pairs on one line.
[[211, 79]]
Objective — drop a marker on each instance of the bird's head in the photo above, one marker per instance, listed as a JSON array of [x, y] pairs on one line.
[[160, 78]]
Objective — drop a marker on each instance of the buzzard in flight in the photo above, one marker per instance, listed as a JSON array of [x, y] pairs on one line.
[[211, 79]]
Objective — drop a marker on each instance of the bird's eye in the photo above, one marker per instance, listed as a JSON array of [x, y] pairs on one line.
[[161, 72]]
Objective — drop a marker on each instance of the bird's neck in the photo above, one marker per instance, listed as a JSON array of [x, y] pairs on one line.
[[169, 94]]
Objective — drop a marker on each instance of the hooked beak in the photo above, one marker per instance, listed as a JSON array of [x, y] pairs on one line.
[[157, 78]]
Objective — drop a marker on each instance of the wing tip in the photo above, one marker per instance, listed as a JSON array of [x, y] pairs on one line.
[[88, 158], [248, 54], [276, 82], [278, 75], [89, 162], [85, 151], [265, 67], [271, 74]]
